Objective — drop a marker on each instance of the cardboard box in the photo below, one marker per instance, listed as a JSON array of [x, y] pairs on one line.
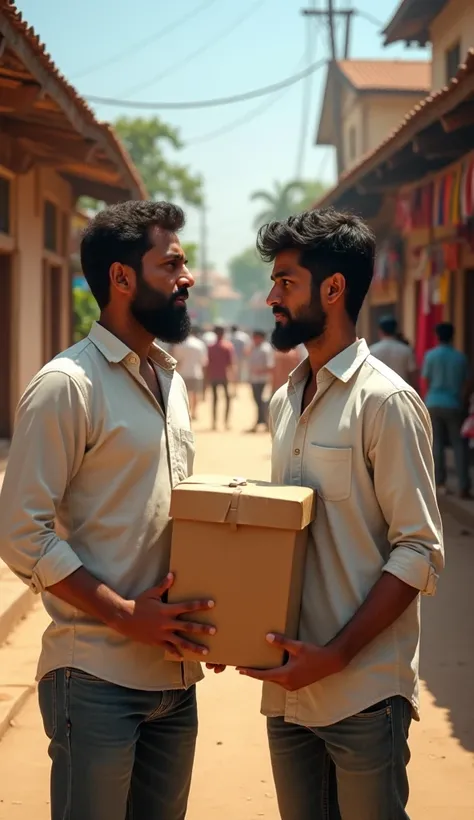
[[242, 544]]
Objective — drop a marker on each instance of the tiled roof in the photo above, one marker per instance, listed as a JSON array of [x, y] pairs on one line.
[[420, 116], [28, 35], [387, 75]]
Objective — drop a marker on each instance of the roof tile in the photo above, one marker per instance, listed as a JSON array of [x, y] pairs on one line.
[[387, 75]]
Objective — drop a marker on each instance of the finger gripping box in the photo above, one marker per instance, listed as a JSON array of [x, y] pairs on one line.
[[241, 543]]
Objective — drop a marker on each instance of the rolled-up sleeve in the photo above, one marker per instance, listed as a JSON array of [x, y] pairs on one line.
[[47, 449], [402, 461]]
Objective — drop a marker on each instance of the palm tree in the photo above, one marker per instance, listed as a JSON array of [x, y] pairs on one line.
[[280, 203]]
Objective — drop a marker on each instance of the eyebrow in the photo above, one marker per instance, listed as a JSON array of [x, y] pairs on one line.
[[281, 274], [170, 257]]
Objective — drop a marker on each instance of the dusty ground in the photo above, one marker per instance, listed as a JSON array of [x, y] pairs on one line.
[[232, 775]]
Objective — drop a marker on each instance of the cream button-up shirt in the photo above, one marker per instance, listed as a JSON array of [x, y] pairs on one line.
[[94, 451], [364, 444]]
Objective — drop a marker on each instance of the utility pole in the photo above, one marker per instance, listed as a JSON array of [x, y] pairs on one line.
[[330, 14]]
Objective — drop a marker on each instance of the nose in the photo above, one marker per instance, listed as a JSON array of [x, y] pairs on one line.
[[272, 298], [186, 279]]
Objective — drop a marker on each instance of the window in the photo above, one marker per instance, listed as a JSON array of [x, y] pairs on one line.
[[4, 205], [50, 226], [452, 60], [352, 142]]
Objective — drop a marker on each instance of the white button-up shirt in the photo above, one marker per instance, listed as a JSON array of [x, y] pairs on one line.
[[364, 444], [94, 450]]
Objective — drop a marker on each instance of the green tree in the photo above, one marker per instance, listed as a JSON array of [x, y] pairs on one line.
[[146, 141], [86, 312], [286, 199], [248, 273], [279, 203]]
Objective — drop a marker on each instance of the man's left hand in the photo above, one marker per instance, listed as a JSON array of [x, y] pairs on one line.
[[307, 664]]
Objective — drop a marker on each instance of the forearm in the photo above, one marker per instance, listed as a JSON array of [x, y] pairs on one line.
[[385, 603], [82, 591]]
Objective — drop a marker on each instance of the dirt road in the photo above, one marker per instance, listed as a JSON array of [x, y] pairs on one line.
[[232, 775]]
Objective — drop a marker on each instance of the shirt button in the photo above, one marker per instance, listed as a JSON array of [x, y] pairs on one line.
[[297, 452], [133, 359]]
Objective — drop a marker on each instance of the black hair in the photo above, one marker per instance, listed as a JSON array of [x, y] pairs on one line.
[[388, 325], [445, 332], [121, 233], [329, 242], [261, 333]]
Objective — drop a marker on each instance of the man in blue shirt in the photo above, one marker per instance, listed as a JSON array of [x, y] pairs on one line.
[[446, 372]]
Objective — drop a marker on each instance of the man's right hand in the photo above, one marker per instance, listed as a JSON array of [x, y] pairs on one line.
[[151, 621]]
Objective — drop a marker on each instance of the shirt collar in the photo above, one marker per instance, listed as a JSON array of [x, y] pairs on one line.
[[116, 351], [343, 366]]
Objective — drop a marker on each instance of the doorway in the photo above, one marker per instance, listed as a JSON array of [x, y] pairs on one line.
[[5, 344]]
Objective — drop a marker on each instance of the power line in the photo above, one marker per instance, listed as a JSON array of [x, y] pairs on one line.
[[243, 120], [212, 103], [121, 55], [186, 60], [311, 37], [369, 17]]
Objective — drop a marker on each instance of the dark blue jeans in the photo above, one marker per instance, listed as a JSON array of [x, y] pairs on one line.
[[353, 770], [117, 754]]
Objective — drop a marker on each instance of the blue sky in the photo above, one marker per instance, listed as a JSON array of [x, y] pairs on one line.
[[236, 55]]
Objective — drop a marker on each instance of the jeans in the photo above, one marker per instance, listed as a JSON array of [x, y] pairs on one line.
[[257, 391], [117, 753], [353, 770], [447, 428], [225, 387]]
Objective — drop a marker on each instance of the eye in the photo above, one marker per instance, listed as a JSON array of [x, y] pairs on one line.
[[285, 282]]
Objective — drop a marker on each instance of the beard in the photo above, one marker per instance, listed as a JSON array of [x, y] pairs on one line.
[[159, 315], [307, 325]]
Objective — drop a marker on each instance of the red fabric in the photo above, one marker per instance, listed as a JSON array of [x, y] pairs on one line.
[[221, 357]]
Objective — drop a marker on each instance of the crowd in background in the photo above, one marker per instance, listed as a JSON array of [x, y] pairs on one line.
[[219, 360]]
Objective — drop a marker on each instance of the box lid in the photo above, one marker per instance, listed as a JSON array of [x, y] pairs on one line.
[[236, 500]]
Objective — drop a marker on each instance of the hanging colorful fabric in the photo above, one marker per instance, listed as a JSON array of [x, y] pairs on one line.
[[455, 197]]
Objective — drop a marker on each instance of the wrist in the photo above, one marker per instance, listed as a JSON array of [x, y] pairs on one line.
[[342, 651]]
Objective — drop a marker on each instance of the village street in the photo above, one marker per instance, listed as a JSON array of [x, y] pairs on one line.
[[232, 775]]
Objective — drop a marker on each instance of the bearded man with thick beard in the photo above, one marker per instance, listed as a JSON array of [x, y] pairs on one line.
[[102, 435], [339, 710]]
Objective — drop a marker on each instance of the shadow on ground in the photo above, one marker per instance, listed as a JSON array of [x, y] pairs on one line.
[[447, 646]]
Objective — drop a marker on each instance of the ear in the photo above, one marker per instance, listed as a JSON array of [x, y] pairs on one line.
[[334, 288], [120, 277]]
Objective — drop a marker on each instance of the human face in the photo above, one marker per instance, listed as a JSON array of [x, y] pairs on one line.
[[296, 303], [161, 289]]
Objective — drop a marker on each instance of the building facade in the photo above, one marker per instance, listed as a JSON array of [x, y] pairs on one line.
[[416, 187], [52, 151]]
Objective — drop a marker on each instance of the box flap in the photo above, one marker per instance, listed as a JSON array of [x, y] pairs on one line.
[[236, 500]]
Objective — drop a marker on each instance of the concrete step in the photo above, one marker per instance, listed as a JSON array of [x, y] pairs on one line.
[[18, 662], [16, 601]]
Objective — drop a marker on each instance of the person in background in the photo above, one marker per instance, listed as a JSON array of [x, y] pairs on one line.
[[241, 342], [191, 357], [90, 451], [395, 352], [285, 363], [446, 374], [261, 363], [220, 373], [339, 708]]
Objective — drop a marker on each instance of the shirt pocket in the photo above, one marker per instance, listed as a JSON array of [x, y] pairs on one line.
[[330, 471]]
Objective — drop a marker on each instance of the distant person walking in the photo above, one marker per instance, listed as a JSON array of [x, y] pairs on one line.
[[220, 371], [394, 351], [242, 343], [261, 362], [446, 373], [192, 360]]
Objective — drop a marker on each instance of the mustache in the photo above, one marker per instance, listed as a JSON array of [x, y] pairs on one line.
[[281, 311], [182, 293]]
